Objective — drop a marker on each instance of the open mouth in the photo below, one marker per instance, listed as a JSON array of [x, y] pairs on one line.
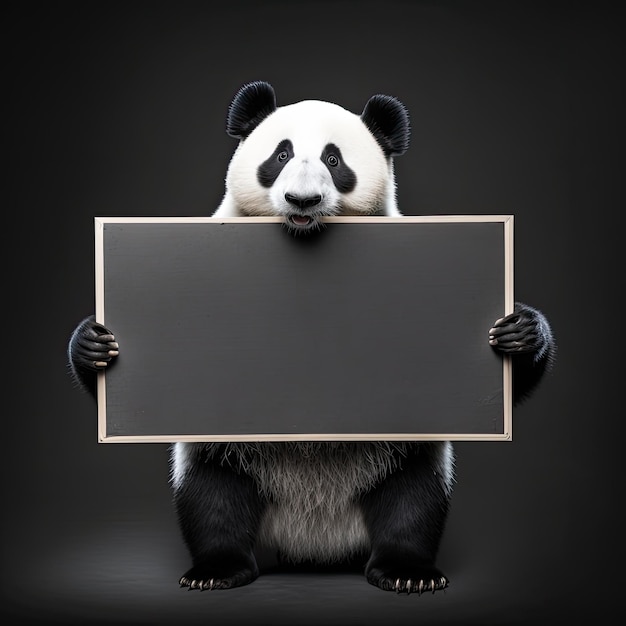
[[301, 222]]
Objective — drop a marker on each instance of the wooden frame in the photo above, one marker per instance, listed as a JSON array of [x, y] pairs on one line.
[[235, 330]]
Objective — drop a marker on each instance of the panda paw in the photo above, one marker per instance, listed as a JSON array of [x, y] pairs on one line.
[[92, 346], [405, 578], [219, 574], [524, 331]]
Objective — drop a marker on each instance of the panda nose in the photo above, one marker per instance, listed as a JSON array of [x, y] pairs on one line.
[[303, 202]]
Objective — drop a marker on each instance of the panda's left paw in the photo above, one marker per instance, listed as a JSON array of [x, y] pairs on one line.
[[524, 331], [405, 578]]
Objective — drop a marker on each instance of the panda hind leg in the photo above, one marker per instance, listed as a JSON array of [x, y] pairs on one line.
[[219, 511], [405, 516]]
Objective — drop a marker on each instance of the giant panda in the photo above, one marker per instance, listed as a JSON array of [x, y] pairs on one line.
[[383, 504]]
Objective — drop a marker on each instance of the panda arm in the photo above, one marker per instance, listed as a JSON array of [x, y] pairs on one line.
[[527, 337], [91, 349]]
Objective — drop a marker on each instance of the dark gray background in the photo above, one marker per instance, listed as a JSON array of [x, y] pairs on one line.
[[119, 108]]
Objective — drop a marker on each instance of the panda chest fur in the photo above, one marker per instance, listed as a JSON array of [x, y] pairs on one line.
[[312, 490]]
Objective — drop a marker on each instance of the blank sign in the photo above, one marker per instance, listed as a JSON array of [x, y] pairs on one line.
[[237, 329]]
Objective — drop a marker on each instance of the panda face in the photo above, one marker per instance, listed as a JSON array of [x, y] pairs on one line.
[[303, 188], [307, 161]]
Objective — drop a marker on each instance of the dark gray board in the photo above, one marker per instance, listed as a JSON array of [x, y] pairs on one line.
[[238, 329]]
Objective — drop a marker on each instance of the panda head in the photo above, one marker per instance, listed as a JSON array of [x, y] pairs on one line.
[[313, 159]]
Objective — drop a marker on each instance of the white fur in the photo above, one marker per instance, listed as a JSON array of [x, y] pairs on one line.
[[181, 454]]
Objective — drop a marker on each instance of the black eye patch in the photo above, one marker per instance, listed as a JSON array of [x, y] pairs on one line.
[[270, 169], [343, 177]]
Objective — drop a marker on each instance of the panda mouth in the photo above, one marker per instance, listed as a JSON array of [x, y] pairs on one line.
[[301, 221]]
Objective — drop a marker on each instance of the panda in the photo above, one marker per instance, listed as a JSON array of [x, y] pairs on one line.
[[381, 505]]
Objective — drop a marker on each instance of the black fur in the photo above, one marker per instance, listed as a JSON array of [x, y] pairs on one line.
[[91, 348], [270, 169], [250, 106], [388, 120], [526, 335], [219, 511], [405, 516], [343, 177]]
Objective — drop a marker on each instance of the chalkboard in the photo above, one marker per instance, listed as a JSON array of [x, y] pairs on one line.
[[237, 329]]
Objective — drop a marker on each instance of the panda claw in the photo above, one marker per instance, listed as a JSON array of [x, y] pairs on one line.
[[418, 586]]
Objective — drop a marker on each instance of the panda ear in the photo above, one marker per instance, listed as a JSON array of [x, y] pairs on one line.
[[250, 106], [388, 120]]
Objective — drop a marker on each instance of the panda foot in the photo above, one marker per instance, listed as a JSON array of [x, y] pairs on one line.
[[406, 579], [215, 575]]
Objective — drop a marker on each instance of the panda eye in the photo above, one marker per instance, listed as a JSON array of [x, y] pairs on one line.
[[332, 160], [283, 156]]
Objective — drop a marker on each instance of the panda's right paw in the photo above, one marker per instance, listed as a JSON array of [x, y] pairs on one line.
[[220, 573], [402, 574], [92, 346]]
